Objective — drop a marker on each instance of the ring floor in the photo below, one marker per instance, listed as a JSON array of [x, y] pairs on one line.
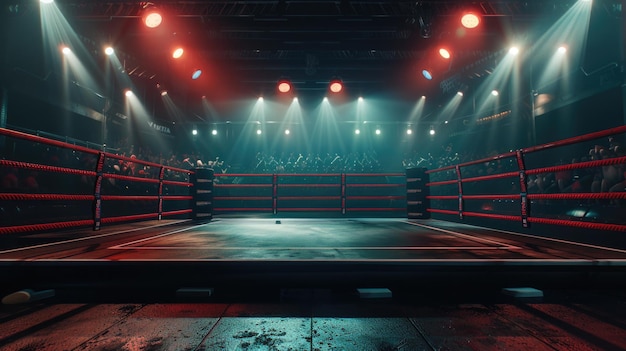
[[310, 284]]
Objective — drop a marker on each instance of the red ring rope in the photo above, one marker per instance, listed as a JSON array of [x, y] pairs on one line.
[[45, 168], [45, 197]]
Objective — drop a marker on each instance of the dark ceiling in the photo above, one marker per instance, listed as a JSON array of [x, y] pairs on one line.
[[378, 48]]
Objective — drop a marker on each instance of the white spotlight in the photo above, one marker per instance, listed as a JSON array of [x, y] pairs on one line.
[[295, 99], [377, 131], [194, 132], [495, 93], [287, 132], [357, 132], [258, 132], [432, 131], [514, 50], [128, 93], [360, 99], [561, 50], [109, 51], [66, 50], [325, 99], [260, 99], [459, 93], [46, 1], [409, 131], [214, 132]]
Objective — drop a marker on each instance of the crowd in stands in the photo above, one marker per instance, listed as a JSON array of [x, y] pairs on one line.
[[608, 178]]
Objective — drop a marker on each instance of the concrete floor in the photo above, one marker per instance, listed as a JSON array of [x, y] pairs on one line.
[[323, 320]]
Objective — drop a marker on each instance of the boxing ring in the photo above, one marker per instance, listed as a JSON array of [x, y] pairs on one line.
[[78, 217]]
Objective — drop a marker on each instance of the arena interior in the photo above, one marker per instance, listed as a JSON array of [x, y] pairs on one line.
[[312, 175]]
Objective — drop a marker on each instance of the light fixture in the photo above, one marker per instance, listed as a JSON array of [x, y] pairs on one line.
[[443, 52], [284, 86], [196, 74], [109, 51], [495, 92], [470, 20], [426, 73], [336, 85], [178, 53], [152, 18]]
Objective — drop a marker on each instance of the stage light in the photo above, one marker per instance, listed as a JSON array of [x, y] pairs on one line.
[[196, 74], [65, 50], [423, 97], [178, 53], [357, 131], [431, 131], [46, 1], [377, 131], [514, 50], [295, 99], [128, 93], [109, 51], [562, 50], [260, 99], [459, 93], [470, 20], [360, 99], [444, 53], [284, 86], [152, 18], [214, 132], [258, 132], [194, 132], [164, 93], [336, 86], [495, 93], [325, 99], [409, 131], [426, 73], [287, 131]]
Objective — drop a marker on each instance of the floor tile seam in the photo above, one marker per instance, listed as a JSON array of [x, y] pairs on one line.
[[106, 329]]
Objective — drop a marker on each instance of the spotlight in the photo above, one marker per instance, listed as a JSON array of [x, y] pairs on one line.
[[459, 93], [514, 50], [194, 132], [562, 50], [360, 99], [470, 20], [258, 132], [431, 131], [336, 86], [178, 53], [409, 132], [426, 73], [164, 93], [109, 51], [128, 93], [152, 18], [214, 132], [284, 86], [495, 93], [357, 131], [46, 1], [260, 99], [377, 131], [66, 51], [444, 53], [287, 132], [196, 74]]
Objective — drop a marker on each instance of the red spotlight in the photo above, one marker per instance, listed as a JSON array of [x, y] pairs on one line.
[[284, 86], [470, 20], [336, 86], [152, 18], [444, 53], [178, 53]]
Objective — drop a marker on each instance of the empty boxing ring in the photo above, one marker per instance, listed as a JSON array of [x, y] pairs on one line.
[[168, 228]]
